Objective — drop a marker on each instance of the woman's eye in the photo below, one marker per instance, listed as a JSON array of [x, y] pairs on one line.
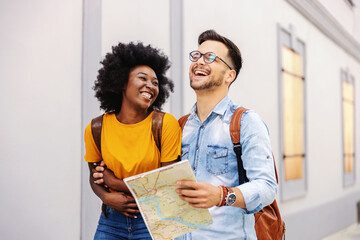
[[156, 83], [143, 78]]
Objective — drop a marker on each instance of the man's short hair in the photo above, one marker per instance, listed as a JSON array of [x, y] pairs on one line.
[[234, 52]]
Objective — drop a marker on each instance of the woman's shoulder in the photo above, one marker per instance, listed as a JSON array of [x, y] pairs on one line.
[[169, 118], [169, 121]]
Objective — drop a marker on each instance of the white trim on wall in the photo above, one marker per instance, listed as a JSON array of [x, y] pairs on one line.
[[176, 51], [91, 56], [327, 24]]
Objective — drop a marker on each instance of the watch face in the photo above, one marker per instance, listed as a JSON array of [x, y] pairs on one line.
[[231, 198]]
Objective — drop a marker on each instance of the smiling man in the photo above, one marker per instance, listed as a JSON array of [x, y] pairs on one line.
[[207, 144]]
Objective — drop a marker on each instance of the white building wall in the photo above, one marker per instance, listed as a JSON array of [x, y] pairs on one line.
[[41, 62], [40, 65]]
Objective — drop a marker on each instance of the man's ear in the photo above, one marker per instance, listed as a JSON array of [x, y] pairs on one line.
[[230, 76]]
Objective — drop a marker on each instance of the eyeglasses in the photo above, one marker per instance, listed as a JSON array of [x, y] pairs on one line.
[[209, 57]]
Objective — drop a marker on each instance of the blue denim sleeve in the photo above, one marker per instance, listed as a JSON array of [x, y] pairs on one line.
[[258, 162]]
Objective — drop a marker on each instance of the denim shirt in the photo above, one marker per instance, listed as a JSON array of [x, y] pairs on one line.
[[209, 149]]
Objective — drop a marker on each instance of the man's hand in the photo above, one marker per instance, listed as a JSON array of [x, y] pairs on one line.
[[199, 194], [122, 203]]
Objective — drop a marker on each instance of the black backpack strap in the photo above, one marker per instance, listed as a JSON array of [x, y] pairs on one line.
[[235, 137], [156, 127], [96, 127]]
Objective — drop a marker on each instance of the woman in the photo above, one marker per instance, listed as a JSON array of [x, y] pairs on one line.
[[129, 86]]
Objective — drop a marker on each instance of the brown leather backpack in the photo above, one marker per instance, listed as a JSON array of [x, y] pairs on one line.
[[156, 128], [268, 222]]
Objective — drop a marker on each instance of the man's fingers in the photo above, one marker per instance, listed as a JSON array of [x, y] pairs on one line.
[[199, 205], [192, 200], [187, 192], [187, 184]]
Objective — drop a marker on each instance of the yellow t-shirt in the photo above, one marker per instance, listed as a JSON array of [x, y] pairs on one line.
[[130, 149]]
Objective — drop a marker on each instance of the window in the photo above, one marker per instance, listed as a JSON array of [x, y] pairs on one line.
[[348, 126], [292, 115]]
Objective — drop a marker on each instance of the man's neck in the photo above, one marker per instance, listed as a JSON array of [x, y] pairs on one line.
[[206, 101]]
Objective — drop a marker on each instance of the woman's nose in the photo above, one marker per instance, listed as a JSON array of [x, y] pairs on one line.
[[149, 84]]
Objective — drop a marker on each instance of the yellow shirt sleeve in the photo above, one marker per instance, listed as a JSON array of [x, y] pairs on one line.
[[92, 153], [170, 139]]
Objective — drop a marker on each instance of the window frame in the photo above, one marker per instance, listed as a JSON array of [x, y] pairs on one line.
[[298, 187], [348, 177]]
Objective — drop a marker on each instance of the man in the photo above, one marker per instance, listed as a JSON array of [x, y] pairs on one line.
[[207, 144]]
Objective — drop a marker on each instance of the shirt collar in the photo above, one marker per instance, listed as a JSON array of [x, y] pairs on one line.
[[220, 108]]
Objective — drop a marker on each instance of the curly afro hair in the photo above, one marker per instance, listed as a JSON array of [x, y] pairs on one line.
[[114, 75]]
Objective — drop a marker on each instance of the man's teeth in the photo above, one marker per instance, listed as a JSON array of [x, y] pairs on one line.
[[146, 95], [200, 73]]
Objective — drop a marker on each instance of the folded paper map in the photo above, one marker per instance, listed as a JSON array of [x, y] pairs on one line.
[[165, 214]]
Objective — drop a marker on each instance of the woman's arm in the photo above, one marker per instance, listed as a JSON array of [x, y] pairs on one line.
[[103, 175], [169, 163], [117, 200]]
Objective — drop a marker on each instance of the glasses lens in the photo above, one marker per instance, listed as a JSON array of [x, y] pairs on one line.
[[210, 57], [195, 55]]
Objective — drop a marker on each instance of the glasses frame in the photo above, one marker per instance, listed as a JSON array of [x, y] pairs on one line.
[[206, 61]]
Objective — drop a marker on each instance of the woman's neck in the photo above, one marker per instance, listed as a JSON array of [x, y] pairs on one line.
[[131, 115]]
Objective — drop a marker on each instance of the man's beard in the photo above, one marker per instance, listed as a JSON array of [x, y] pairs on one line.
[[206, 85]]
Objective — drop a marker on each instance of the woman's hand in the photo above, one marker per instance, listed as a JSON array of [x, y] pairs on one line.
[[122, 203], [105, 176], [98, 173]]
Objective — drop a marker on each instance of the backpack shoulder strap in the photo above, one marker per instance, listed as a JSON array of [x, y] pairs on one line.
[[235, 137], [96, 126], [235, 124], [156, 127], [183, 120]]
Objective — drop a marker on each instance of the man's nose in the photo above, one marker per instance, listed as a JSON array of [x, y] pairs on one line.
[[201, 61]]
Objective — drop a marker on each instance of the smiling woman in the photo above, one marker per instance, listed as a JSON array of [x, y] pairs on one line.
[[130, 85], [141, 91]]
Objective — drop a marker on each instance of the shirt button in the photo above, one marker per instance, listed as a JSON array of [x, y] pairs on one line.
[[197, 148], [202, 126]]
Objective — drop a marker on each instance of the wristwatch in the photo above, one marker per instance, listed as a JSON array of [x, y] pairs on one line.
[[230, 198]]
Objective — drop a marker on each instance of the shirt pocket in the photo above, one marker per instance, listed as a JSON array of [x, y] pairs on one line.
[[185, 152], [217, 160]]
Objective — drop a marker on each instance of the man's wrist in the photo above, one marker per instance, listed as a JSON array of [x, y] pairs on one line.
[[224, 193], [220, 196], [230, 198]]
